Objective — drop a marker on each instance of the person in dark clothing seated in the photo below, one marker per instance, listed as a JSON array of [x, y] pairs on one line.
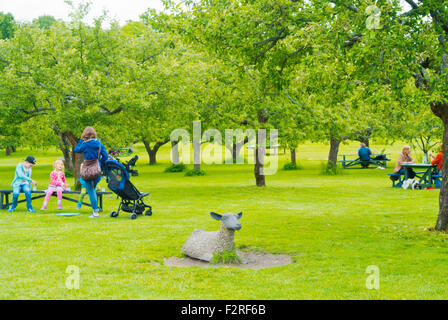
[[364, 155]]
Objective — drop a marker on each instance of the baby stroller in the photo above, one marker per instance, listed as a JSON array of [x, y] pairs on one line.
[[131, 199], [129, 166]]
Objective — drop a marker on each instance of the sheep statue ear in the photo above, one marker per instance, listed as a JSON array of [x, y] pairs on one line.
[[216, 216], [239, 215]]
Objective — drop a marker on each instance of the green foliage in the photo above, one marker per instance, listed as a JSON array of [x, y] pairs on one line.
[[194, 172], [79, 75], [292, 166], [68, 174], [7, 25], [176, 168], [329, 169], [227, 256], [44, 22], [134, 28], [418, 157], [312, 69]]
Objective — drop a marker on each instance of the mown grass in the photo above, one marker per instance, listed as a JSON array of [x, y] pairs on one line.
[[333, 226]]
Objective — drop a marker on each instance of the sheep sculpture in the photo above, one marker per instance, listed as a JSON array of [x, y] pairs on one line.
[[203, 244]]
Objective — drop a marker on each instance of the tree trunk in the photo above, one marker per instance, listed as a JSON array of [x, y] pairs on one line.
[[65, 147], [365, 139], [234, 154], [152, 152], [366, 142], [333, 154], [73, 164], [441, 110], [13, 149], [175, 152], [260, 152], [78, 158], [8, 151], [364, 136], [152, 157], [197, 155], [236, 149], [293, 155]]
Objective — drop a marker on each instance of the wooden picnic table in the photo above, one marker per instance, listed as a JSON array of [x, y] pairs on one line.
[[4, 195], [346, 162], [424, 176]]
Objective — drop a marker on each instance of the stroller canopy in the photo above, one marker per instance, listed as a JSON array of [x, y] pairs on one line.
[[116, 174]]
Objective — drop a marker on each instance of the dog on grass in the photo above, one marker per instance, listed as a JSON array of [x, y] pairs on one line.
[[411, 184]]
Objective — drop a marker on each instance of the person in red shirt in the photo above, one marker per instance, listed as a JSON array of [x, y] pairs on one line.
[[438, 159]]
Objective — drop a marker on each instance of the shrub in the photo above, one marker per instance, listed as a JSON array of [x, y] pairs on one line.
[[226, 256], [176, 168], [292, 166], [68, 174], [194, 172], [331, 169]]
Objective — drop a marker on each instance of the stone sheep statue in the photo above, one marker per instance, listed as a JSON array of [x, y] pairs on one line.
[[202, 244]]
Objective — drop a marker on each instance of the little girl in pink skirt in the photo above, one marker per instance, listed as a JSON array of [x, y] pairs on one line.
[[57, 183]]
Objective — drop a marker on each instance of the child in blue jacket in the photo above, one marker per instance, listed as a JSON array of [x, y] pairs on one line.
[[21, 183]]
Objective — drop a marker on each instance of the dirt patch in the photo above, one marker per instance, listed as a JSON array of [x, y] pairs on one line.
[[251, 260]]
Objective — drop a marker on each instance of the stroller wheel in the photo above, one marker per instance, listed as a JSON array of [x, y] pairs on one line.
[[133, 216], [148, 212], [114, 214]]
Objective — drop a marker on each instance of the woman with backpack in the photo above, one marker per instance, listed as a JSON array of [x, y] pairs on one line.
[[95, 156]]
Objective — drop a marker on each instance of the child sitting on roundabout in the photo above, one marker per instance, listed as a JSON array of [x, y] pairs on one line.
[[21, 183], [58, 184]]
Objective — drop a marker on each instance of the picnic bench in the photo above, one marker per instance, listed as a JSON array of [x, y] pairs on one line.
[[425, 176], [437, 179], [397, 179], [5, 203], [351, 160]]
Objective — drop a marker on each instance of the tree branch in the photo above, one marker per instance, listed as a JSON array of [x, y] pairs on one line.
[[272, 40], [357, 37], [36, 110], [347, 5], [412, 4], [117, 110]]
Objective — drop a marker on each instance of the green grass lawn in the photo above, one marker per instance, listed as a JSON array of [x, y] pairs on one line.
[[333, 226]]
